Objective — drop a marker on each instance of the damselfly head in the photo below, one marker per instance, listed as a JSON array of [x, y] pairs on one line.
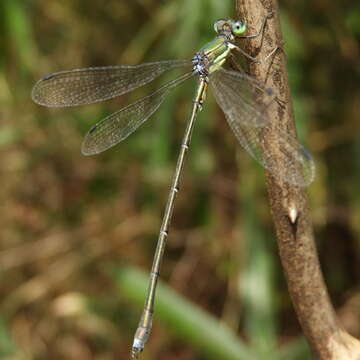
[[229, 28]]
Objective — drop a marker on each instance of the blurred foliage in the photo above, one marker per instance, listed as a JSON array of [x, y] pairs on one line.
[[67, 219]]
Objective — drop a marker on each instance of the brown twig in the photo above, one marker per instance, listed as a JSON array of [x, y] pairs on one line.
[[289, 207]]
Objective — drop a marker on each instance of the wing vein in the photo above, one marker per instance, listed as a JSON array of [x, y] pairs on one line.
[[244, 102], [119, 125], [94, 84]]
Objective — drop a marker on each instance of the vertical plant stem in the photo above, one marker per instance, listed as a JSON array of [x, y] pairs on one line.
[[289, 205]]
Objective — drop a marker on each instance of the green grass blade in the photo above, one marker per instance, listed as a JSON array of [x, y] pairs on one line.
[[185, 319]]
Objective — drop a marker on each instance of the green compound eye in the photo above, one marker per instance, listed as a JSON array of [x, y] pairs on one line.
[[238, 27]]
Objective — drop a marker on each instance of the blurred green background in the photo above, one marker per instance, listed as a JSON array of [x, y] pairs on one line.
[[78, 233]]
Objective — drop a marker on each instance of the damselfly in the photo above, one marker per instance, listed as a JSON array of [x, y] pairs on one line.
[[243, 100]]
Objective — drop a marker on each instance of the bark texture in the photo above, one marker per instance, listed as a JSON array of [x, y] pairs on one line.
[[289, 205]]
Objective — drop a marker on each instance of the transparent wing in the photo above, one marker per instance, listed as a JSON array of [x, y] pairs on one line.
[[90, 85], [119, 125], [238, 92], [238, 96]]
